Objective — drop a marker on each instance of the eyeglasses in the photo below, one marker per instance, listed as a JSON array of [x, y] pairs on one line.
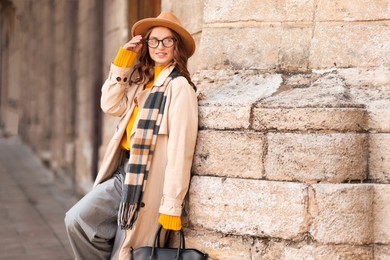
[[166, 42]]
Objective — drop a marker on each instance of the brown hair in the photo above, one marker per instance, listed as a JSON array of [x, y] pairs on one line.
[[143, 70]]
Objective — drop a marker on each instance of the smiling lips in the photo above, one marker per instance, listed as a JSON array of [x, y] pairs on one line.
[[161, 54]]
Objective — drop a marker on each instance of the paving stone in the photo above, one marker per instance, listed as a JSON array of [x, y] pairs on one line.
[[31, 211]]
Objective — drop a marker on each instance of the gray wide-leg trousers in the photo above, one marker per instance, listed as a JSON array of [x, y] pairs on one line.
[[92, 222]]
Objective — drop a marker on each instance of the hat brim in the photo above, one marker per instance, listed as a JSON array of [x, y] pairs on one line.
[[142, 26]]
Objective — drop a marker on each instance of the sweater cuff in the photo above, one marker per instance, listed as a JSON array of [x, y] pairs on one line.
[[170, 222], [124, 58]]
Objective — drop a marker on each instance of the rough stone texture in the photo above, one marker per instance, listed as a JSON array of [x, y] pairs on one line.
[[235, 117], [346, 45], [379, 162], [226, 99], [367, 80], [324, 252], [347, 10], [219, 246], [305, 34], [371, 88], [229, 154], [381, 209], [324, 90], [342, 214], [286, 250], [295, 47], [379, 116], [236, 248], [381, 252], [316, 157], [309, 119], [268, 10], [232, 52], [248, 207]]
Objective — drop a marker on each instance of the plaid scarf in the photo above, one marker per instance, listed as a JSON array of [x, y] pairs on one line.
[[141, 153]]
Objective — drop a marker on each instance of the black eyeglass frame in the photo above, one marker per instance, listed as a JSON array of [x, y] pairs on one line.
[[162, 42]]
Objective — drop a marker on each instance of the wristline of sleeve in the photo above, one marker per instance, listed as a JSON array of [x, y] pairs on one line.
[[124, 58], [170, 222]]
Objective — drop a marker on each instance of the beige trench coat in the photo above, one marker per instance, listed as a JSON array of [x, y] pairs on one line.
[[170, 171]]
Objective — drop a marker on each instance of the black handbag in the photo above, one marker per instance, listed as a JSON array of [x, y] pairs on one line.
[[156, 252]]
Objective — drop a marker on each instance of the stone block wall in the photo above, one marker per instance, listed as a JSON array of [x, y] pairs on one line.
[[291, 168], [294, 35], [292, 156]]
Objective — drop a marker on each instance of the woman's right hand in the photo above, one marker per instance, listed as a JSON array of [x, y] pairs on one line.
[[135, 44]]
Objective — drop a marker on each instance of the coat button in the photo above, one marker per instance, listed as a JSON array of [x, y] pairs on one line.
[[118, 79], [142, 204]]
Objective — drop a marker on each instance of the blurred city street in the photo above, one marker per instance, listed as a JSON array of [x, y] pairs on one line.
[[32, 206]]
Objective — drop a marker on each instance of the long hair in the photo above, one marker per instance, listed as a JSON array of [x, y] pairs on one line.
[[143, 70]]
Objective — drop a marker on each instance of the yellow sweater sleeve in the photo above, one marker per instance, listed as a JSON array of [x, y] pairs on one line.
[[170, 222], [124, 58]]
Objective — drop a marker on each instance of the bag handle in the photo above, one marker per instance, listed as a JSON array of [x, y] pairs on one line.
[[157, 243]]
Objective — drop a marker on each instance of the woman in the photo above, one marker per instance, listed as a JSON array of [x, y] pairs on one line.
[[145, 173]]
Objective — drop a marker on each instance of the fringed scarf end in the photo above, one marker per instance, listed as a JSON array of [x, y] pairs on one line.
[[127, 215]]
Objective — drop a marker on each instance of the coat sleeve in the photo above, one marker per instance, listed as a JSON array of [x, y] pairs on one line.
[[114, 100], [182, 131]]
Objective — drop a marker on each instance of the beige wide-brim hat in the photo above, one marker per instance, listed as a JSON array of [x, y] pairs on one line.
[[169, 20]]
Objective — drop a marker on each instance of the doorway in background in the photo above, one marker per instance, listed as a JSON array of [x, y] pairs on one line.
[[140, 9]]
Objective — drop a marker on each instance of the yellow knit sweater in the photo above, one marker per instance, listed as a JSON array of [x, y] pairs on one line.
[[125, 58]]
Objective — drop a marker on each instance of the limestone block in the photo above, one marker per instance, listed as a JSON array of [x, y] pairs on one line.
[[193, 62], [248, 207], [266, 10], [327, 90], [226, 102], [366, 82], [224, 117], [379, 116], [325, 252], [350, 10], [381, 212], [231, 154], [372, 88], [342, 213], [350, 45], [285, 250], [381, 252], [309, 119], [219, 246], [240, 47], [379, 162], [295, 46], [316, 157]]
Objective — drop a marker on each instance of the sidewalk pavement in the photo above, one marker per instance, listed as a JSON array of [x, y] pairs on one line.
[[32, 206]]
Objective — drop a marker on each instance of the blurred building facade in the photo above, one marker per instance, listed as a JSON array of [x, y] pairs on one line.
[[292, 160]]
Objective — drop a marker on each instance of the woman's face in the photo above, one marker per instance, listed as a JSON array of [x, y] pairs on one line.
[[160, 54]]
